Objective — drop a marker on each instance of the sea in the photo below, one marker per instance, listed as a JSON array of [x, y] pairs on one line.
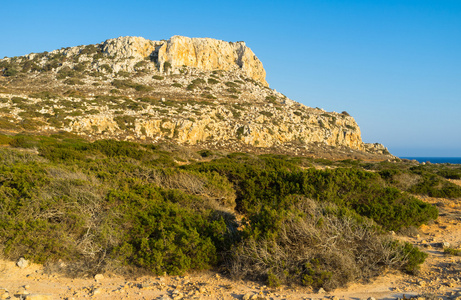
[[437, 160]]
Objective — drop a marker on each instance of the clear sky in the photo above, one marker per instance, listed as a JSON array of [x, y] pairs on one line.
[[394, 65]]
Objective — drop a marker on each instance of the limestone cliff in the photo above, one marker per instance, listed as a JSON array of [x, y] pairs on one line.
[[202, 53]]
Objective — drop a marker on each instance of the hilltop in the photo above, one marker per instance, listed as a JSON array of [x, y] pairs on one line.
[[201, 92]]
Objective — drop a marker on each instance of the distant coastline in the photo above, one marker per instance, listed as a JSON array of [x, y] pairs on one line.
[[436, 160]]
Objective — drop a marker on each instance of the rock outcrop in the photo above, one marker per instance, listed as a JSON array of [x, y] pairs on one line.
[[179, 51], [210, 54]]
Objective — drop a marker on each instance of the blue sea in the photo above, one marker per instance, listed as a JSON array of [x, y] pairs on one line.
[[437, 160]]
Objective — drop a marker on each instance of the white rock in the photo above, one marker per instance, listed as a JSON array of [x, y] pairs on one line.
[[98, 277], [22, 263], [247, 296], [321, 291]]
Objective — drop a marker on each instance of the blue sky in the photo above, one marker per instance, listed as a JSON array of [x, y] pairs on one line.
[[393, 65]]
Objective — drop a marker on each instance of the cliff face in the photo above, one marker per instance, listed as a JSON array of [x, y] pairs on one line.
[[209, 54], [202, 53], [193, 91]]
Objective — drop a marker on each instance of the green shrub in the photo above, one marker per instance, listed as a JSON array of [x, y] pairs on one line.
[[73, 81], [65, 72], [80, 67], [233, 90], [90, 50], [452, 251], [106, 68], [231, 84], [212, 81], [157, 77], [123, 84], [45, 95], [266, 113], [143, 88], [271, 99], [435, 186], [10, 72], [5, 140], [123, 74], [208, 96], [166, 66], [30, 66]]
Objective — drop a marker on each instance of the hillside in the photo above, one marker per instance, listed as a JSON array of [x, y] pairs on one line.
[[192, 91]]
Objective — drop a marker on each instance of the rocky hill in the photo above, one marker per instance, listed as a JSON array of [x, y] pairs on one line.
[[192, 91]]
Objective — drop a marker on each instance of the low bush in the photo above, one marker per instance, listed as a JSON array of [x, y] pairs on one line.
[[307, 245], [452, 251], [212, 81], [106, 68], [435, 186], [44, 95], [231, 84], [124, 84], [73, 81]]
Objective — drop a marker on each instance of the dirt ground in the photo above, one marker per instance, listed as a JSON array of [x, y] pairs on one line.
[[440, 276]]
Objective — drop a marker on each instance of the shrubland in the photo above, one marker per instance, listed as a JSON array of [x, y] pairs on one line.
[[114, 206]]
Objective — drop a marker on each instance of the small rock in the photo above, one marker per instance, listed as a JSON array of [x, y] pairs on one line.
[[97, 291], [321, 291], [22, 263], [4, 295], [335, 298], [98, 277], [247, 296], [445, 244], [371, 298]]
